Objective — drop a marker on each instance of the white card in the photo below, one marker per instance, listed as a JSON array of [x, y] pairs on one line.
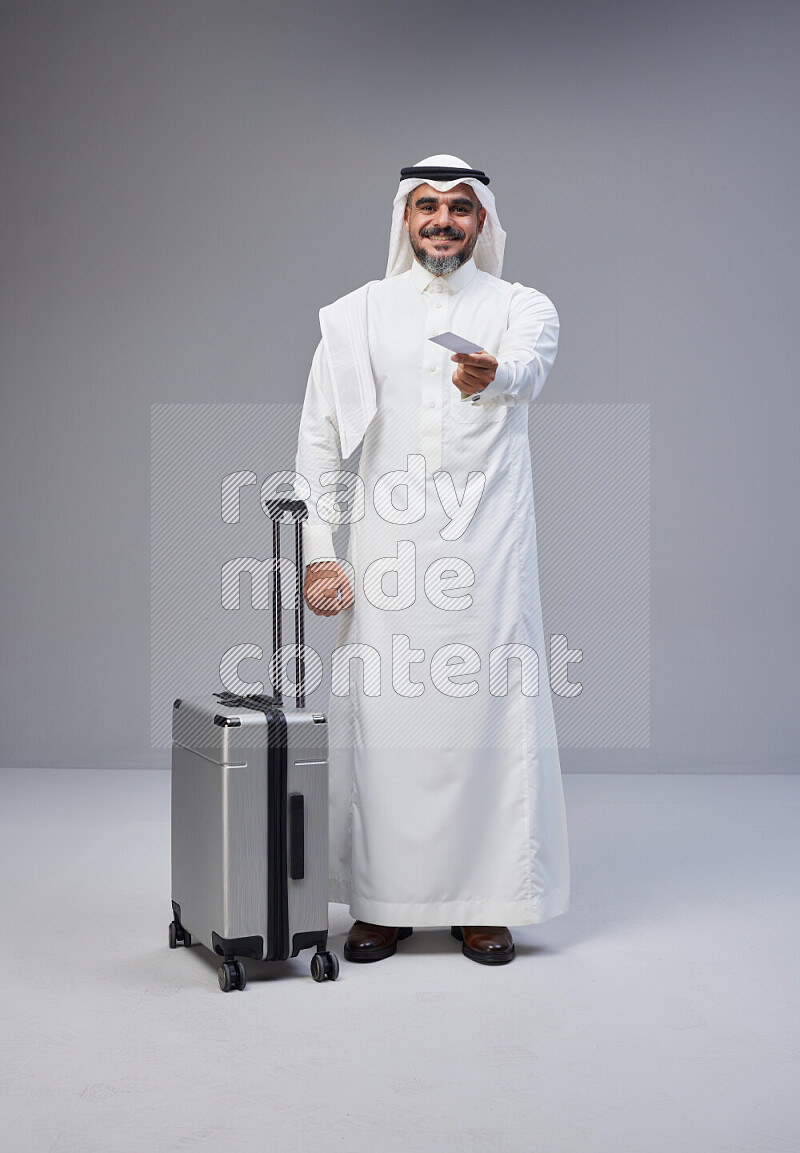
[[455, 343]]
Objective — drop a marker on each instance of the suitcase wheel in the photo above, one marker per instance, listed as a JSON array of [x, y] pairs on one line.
[[178, 935], [232, 975], [324, 966]]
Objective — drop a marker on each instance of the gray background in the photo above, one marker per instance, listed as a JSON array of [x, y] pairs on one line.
[[185, 184]]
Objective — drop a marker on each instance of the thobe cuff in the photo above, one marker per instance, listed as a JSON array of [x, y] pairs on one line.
[[317, 542], [500, 385]]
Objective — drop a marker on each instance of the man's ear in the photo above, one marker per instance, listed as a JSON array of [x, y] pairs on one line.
[[481, 218], [405, 217]]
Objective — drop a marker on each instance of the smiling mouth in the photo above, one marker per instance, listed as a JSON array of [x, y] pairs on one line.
[[440, 238]]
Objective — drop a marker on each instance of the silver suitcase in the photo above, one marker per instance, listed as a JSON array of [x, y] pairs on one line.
[[250, 816]]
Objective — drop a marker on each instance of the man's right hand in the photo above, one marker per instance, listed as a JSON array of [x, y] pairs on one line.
[[327, 590]]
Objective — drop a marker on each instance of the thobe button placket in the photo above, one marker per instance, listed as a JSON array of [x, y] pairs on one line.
[[431, 413]]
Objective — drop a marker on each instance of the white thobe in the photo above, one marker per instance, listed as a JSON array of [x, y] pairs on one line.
[[446, 797]]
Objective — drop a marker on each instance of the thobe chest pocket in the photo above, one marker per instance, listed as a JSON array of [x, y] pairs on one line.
[[468, 412]]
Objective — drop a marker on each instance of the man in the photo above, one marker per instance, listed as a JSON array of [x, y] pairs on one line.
[[446, 798]]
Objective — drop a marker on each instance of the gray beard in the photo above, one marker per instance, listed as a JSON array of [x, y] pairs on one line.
[[441, 265]]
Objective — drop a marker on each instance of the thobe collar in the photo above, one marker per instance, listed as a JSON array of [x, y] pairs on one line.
[[425, 281]]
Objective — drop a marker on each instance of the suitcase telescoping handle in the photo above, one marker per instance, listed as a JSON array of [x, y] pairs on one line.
[[286, 511]]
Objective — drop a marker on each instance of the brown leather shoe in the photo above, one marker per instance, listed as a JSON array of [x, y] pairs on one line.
[[367, 942], [486, 944]]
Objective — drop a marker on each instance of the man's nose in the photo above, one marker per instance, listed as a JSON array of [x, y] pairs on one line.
[[443, 215]]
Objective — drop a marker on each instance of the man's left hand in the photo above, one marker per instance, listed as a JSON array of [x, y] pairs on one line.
[[475, 371]]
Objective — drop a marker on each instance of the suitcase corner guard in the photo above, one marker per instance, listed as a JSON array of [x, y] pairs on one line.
[[230, 947]]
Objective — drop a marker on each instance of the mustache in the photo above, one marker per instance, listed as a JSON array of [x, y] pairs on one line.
[[448, 233]]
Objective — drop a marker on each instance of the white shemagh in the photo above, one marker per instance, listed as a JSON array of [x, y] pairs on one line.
[[344, 323], [488, 252]]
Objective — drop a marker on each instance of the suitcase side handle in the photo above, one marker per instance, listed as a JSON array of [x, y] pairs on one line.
[[297, 848]]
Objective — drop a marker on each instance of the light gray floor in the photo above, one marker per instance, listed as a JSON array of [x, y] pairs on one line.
[[659, 1016]]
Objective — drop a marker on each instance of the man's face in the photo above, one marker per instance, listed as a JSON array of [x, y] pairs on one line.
[[443, 227]]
